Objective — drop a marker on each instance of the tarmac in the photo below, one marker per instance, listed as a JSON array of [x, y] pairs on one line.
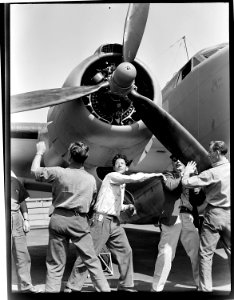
[[144, 240]]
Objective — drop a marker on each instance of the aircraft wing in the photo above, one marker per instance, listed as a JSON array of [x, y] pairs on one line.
[[23, 147]]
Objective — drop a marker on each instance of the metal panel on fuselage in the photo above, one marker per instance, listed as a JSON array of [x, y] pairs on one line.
[[201, 101]]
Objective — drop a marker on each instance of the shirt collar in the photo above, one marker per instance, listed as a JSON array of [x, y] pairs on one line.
[[74, 166], [221, 162]]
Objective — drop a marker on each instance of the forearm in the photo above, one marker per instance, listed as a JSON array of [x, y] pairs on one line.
[[25, 216], [140, 177], [191, 182], [36, 162], [24, 210]]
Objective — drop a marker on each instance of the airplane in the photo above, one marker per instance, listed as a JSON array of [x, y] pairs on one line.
[[112, 102]]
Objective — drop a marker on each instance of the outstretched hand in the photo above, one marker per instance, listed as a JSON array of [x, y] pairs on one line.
[[132, 209], [191, 167], [161, 175]]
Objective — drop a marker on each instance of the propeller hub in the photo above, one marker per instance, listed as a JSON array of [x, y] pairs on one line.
[[124, 75], [123, 78]]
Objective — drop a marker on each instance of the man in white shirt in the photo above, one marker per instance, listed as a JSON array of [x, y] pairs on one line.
[[106, 228]]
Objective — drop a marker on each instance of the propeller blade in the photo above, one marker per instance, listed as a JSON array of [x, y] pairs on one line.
[[44, 98], [134, 28], [170, 132]]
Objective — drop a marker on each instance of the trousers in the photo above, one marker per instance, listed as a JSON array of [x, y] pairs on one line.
[[20, 252], [65, 226], [106, 230], [184, 230], [216, 225]]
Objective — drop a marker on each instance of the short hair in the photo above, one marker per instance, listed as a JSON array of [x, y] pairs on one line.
[[122, 156], [220, 146], [173, 157], [79, 151]]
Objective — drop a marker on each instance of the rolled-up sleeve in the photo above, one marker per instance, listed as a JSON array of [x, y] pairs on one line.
[[171, 183], [46, 174]]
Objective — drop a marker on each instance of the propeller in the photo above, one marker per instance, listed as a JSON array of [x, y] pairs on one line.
[[44, 98], [134, 29], [170, 132]]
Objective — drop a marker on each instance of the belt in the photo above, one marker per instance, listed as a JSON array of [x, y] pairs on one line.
[[184, 209], [69, 212], [111, 217]]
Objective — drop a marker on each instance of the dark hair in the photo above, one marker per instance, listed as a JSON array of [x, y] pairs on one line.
[[173, 157], [79, 151], [122, 156], [220, 146]]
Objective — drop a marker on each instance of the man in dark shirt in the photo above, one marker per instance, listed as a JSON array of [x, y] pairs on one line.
[[73, 190], [19, 228]]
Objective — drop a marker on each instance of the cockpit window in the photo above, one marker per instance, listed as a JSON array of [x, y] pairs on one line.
[[195, 62], [184, 72], [209, 53]]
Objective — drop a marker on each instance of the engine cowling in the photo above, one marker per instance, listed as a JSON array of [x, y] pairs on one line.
[[107, 122]]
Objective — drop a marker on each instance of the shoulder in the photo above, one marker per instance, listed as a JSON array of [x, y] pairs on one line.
[[112, 174], [169, 174], [86, 175]]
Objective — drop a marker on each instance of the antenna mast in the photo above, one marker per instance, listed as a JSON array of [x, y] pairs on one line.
[[185, 46]]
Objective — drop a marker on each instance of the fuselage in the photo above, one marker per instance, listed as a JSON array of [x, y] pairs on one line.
[[198, 95]]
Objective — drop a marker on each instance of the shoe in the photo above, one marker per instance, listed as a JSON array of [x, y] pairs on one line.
[[68, 290], [152, 290], [32, 290], [126, 289]]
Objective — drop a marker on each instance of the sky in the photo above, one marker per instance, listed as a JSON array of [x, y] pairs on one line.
[[49, 40]]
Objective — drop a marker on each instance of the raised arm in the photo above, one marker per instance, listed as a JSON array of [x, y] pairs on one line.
[[41, 148]]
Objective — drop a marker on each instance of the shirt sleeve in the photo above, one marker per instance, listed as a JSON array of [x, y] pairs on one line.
[[46, 174], [117, 178], [171, 183], [202, 180], [23, 193]]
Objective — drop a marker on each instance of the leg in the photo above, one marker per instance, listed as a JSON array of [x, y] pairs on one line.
[[166, 253], [88, 246], [190, 240], [56, 256], [208, 241], [122, 252], [78, 275], [225, 234], [20, 253]]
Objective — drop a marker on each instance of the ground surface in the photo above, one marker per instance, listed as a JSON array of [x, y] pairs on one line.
[[144, 240]]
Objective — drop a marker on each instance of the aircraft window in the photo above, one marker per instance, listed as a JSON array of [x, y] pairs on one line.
[[178, 78], [209, 53], [184, 72], [186, 69], [195, 62]]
